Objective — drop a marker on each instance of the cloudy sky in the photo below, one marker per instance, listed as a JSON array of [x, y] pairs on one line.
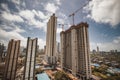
[[22, 18]]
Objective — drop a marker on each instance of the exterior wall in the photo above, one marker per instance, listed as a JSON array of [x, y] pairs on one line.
[[97, 49], [88, 55], [62, 49], [68, 51], [30, 59], [75, 51], [1, 52], [11, 60], [84, 69], [51, 50]]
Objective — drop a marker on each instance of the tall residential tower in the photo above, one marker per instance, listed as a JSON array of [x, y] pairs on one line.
[[1, 51], [98, 50], [51, 40], [29, 70], [11, 60], [75, 51]]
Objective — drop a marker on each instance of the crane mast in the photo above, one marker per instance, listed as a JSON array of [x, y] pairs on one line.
[[62, 26], [73, 14]]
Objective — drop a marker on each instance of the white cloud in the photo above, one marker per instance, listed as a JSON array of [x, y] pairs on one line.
[[5, 36], [104, 11], [39, 14], [107, 46], [59, 30], [60, 21], [51, 7], [16, 1], [117, 40], [41, 43], [19, 30], [5, 7], [11, 17], [29, 16], [58, 2]]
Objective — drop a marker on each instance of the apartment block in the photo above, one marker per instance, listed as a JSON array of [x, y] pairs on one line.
[[75, 51], [29, 69], [51, 48], [11, 60]]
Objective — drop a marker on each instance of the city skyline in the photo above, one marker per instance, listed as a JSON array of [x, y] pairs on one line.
[[20, 19]]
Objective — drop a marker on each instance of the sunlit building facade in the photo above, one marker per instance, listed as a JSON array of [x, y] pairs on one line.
[[29, 70], [75, 51], [51, 48], [11, 60]]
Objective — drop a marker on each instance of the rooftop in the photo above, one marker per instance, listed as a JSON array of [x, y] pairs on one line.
[[42, 76]]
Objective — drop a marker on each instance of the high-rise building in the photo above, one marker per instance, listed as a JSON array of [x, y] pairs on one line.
[[75, 51], [94, 51], [58, 47], [51, 40], [97, 49], [29, 72], [1, 51], [11, 60], [58, 51]]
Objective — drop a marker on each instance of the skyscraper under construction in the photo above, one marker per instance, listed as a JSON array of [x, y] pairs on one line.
[[75, 51]]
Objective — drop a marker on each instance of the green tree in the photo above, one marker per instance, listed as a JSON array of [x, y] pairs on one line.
[[61, 76]]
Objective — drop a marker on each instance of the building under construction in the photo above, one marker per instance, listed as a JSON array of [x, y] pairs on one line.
[[75, 51]]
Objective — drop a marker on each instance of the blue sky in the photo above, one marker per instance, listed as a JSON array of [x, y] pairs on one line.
[[22, 18]]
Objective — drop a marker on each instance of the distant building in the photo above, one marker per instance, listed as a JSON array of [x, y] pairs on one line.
[[58, 47], [51, 40], [116, 51], [38, 50], [29, 72], [113, 51], [11, 60], [2, 52], [45, 49], [75, 51], [94, 51], [58, 52], [97, 50]]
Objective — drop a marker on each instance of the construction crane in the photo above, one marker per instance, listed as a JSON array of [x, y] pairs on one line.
[[62, 26], [73, 14]]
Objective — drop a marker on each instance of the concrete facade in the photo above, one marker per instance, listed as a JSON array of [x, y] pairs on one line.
[[1, 52], [97, 50], [51, 49], [75, 51], [11, 60], [29, 73]]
